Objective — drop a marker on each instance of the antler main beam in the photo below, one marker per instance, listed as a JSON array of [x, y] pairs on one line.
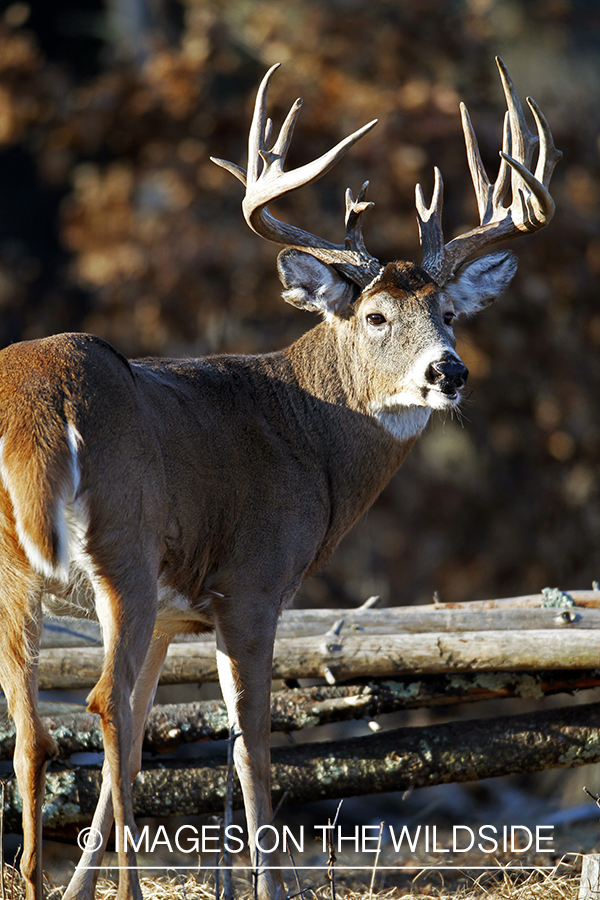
[[265, 180], [531, 206]]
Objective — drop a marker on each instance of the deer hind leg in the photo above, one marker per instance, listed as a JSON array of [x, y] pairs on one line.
[[127, 618], [245, 662], [20, 619], [83, 882]]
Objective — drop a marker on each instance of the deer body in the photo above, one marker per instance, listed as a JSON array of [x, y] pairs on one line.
[[172, 496], [187, 483]]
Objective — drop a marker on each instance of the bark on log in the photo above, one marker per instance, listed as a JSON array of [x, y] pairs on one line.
[[426, 619], [472, 616], [394, 760], [173, 724], [367, 656]]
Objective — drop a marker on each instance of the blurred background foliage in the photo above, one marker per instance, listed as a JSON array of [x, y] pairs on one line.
[[113, 220]]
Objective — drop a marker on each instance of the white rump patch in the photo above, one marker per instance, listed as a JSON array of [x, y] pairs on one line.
[[70, 523], [72, 518], [38, 562], [75, 441]]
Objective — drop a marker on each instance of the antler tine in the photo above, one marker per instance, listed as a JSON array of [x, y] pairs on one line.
[[531, 207], [258, 127], [523, 142], [429, 219], [520, 157], [354, 210], [503, 181], [434, 211], [481, 182], [282, 144], [268, 131], [549, 155], [266, 180]]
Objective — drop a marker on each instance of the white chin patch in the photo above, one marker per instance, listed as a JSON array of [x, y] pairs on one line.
[[406, 414], [404, 423]]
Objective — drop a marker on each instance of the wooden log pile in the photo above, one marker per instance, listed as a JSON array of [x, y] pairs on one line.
[[368, 662]]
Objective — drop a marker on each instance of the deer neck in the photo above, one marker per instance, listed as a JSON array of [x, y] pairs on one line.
[[358, 454]]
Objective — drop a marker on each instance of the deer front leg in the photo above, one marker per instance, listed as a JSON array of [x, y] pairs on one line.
[[83, 881], [244, 660]]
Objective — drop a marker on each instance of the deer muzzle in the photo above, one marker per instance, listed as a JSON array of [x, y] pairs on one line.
[[448, 374]]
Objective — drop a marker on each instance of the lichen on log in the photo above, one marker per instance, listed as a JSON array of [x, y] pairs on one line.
[[394, 760], [170, 725]]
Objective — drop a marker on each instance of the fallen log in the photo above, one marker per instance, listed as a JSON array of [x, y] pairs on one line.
[[297, 623], [172, 724], [441, 618], [508, 614], [395, 760], [365, 656]]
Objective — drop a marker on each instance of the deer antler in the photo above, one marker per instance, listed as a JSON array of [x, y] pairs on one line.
[[266, 180], [531, 205]]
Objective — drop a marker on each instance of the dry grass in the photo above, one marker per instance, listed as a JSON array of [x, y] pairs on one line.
[[562, 883]]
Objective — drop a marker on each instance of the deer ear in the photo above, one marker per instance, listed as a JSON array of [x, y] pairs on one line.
[[482, 281], [313, 285]]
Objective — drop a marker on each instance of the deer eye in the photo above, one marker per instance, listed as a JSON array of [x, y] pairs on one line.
[[376, 319], [449, 318]]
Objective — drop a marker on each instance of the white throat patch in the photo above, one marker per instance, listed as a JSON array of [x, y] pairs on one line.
[[406, 423]]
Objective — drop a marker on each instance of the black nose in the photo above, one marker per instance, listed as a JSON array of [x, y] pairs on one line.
[[448, 373]]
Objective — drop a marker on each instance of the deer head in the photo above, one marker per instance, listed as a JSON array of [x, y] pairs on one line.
[[397, 320]]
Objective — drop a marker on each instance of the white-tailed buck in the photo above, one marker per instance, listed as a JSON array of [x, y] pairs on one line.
[[182, 496]]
